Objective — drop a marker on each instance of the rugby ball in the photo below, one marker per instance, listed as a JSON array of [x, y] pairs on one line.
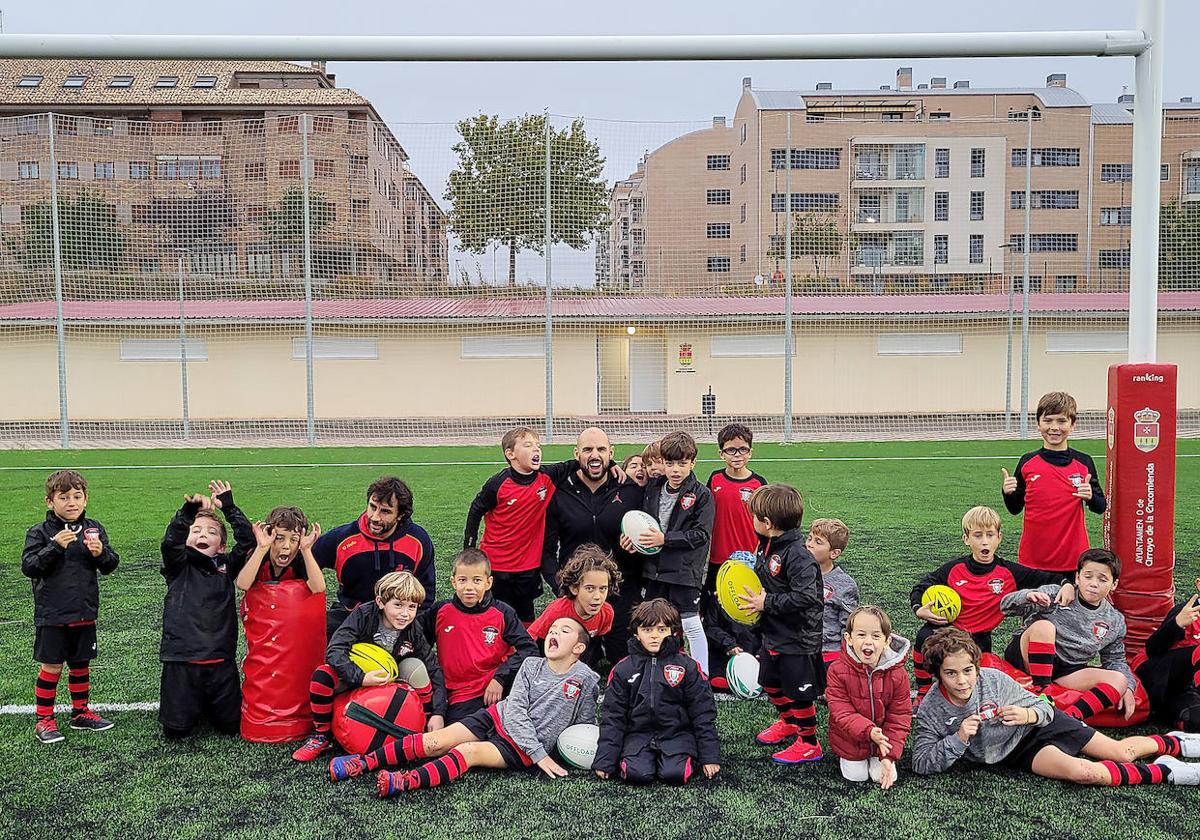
[[371, 657], [942, 601], [742, 674], [577, 745], [634, 524]]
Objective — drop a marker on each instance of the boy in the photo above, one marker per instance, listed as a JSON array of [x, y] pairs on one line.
[[199, 635], [827, 539], [518, 732], [1169, 668], [61, 557], [1050, 485], [285, 541], [659, 717], [981, 579], [684, 510], [726, 638], [1055, 644], [792, 606], [733, 527], [652, 462], [480, 641], [388, 622], [985, 716]]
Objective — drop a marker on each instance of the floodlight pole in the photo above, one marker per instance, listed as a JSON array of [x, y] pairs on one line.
[[787, 290], [305, 175], [64, 430], [549, 343], [1025, 282], [1147, 156], [183, 359]]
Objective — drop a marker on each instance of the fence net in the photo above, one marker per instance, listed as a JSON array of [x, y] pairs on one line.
[[335, 279]]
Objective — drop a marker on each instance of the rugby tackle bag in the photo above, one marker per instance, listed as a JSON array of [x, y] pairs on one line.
[[367, 718]]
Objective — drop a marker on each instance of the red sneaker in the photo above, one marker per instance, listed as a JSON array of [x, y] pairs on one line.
[[798, 753], [776, 733], [719, 684], [319, 743], [46, 731], [388, 783]]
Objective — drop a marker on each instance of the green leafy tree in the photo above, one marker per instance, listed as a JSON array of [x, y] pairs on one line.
[[284, 223], [88, 228], [1179, 246], [498, 190], [813, 236]]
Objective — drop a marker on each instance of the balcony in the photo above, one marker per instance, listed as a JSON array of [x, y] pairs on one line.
[[882, 253], [900, 162]]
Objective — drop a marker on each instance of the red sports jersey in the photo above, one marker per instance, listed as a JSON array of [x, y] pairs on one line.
[[266, 572], [597, 625], [513, 507], [733, 526], [981, 586], [1054, 533], [472, 643]]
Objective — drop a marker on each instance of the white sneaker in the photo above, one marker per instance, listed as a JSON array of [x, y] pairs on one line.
[[1181, 772], [1189, 743]]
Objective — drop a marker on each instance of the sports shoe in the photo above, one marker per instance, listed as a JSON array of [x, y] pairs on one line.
[[89, 720], [313, 747], [344, 767], [388, 783], [776, 733], [1182, 773], [1189, 743], [798, 753], [46, 731], [719, 684]]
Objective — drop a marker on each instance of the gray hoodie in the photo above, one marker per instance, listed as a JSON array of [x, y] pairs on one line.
[[542, 704]]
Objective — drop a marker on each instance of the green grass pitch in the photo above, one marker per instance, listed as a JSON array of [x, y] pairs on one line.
[[904, 518]]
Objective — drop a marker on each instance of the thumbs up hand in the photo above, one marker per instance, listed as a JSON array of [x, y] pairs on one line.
[[1009, 485], [1084, 491]]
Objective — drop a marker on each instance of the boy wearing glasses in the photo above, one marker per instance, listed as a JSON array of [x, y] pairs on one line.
[[733, 526]]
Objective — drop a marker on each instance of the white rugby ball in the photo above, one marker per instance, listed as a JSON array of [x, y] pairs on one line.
[[634, 524], [577, 745], [742, 674]]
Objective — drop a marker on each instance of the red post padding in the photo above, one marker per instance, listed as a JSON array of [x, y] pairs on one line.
[[395, 703], [1064, 697], [1140, 485], [285, 642]]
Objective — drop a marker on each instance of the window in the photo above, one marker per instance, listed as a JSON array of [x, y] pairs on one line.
[[1025, 116], [718, 230], [806, 202], [1116, 172], [1191, 175], [289, 169], [719, 265], [743, 140], [338, 348], [1115, 215], [218, 259], [870, 207], [1164, 172], [743, 253], [1066, 283], [28, 125], [205, 82], [503, 347], [104, 171], [163, 350], [1086, 341], [166, 81], [68, 170], [743, 219], [807, 158], [139, 170], [978, 159], [210, 167], [324, 168], [941, 163], [891, 116], [75, 81], [1046, 199], [718, 162], [742, 177], [29, 81], [102, 128], [976, 248], [27, 170], [976, 207], [813, 116], [910, 162], [739, 345], [121, 82], [941, 206], [1045, 242], [939, 116], [941, 249], [718, 197], [920, 344], [1018, 283], [1048, 157], [1116, 258]]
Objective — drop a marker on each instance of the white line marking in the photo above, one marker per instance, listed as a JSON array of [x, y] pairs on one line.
[[96, 707]]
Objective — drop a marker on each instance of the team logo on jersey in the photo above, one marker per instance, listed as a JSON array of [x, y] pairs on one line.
[[222, 569], [988, 709], [572, 689], [1100, 630], [541, 493], [774, 564], [1076, 480], [746, 493], [828, 592], [616, 498], [1146, 429], [404, 650], [1034, 477], [673, 674], [996, 585], [490, 634], [687, 500]]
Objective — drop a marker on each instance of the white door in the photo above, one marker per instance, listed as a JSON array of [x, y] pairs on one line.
[[647, 375]]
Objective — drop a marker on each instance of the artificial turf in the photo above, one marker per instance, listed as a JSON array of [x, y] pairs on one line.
[[904, 518]]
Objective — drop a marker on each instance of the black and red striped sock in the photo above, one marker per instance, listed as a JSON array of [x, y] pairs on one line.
[[781, 703], [1136, 773], [408, 748], [923, 677], [1041, 663], [804, 717], [45, 687], [1167, 745], [80, 682], [1094, 701], [320, 695], [439, 771]]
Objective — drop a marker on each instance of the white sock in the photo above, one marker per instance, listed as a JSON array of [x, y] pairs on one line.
[[693, 631]]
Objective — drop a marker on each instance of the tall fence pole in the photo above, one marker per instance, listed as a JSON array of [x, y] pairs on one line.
[[1147, 154], [64, 432], [549, 347], [183, 360], [305, 175], [1025, 282], [787, 292]]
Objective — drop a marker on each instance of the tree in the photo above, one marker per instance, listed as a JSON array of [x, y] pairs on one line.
[[1179, 246], [498, 191], [812, 236], [90, 238], [284, 223]]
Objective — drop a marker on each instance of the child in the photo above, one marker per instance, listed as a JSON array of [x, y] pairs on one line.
[[635, 470], [1055, 644], [518, 732], [199, 626], [652, 460], [981, 580], [684, 510], [286, 542], [726, 638], [480, 641], [61, 557], [791, 671], [827, 539], [870, 710], [388, 622], [1169, 668], [1050, 484], [584, 582], [733, 527], [659, 717], [985, 716]]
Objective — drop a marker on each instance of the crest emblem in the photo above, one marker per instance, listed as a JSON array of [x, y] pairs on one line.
[[490, 634], [1100, 630], [1146, 429], [828, 592], [572, 689], [673, 674], [687, 500], [746, 493], [541, 494], [996, 585], [404, 650], [774, 564], [1076, 480]]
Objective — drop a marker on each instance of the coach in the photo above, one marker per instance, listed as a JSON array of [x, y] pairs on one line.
[[587, 507], [384, 539]]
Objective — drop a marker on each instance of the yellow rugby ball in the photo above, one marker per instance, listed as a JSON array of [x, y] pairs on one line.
[[942, 601], [371, 657]]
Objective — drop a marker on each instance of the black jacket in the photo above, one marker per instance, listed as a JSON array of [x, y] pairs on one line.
[[199, 612], [1154, 674], [724, 634], [360, 626], [687, 534], [65, 587], [577, 515], [794, 608], [663, 702]]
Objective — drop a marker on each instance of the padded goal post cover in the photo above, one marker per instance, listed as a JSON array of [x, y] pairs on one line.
[[285, 642], [1064, 698], [367, 718]]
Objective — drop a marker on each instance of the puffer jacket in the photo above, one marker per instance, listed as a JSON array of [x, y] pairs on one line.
[[860, 699]]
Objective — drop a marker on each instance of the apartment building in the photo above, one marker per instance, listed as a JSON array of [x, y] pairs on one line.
[[905, 189], [202, 161]]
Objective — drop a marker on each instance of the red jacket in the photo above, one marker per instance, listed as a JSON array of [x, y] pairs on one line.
[[860, 700]]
